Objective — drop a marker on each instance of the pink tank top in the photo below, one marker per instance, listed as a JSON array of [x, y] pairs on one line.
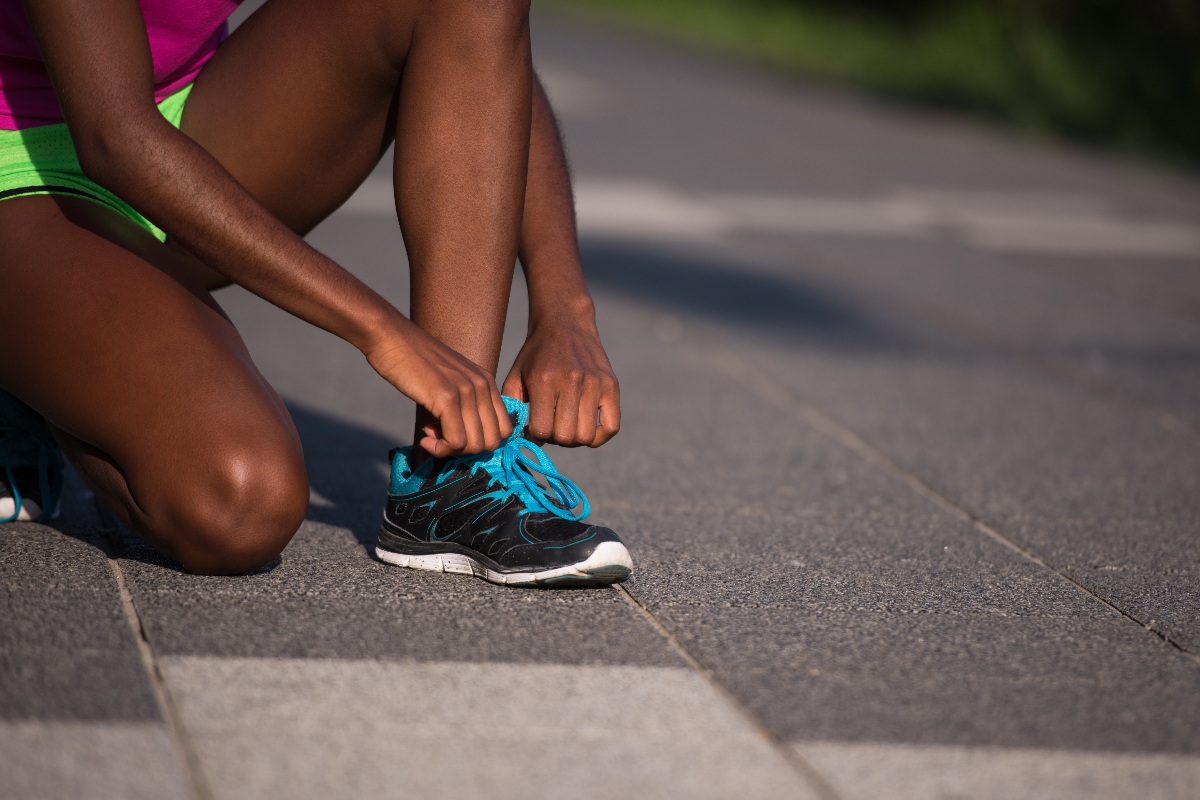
[[183, 34]]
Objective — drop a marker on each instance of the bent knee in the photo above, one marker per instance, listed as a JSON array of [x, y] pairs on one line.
[[242, 513]]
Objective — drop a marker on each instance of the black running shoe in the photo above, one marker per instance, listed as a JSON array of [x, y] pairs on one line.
[[488, 515], [31, 471]]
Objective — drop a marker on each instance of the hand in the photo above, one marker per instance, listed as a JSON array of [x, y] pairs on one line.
[[456, 391], [564, 375]]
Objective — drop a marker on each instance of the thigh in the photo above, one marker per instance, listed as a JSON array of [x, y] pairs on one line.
[[297, 104], [111, 339]]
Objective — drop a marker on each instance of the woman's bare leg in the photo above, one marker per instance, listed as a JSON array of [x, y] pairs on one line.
[[299, 112], [462, 148], [147, 386], [146, 383]]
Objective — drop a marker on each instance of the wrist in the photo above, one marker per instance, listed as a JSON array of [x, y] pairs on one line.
[[380, 329], [575, 311]]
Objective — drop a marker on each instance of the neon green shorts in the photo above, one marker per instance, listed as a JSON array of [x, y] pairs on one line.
[[42, 160]]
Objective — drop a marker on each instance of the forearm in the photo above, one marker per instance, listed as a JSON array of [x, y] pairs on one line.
[[549, 246], [98, 56], [186, 192], [99, 60], [562, 370]]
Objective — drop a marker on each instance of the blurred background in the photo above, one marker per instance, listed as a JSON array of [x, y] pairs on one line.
[[1123, 73]]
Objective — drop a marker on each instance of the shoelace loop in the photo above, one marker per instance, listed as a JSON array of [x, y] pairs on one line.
[[516, 466], [559, 496], [512, 466]]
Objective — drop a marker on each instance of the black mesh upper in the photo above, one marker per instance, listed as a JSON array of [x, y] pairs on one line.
[[494, 530]]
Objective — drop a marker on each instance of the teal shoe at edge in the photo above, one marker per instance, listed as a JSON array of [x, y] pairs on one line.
[[31, 466]]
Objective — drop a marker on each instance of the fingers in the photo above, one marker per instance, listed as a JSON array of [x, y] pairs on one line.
[[504, 420], [462, 409], [610, 412], [473, 421], [566, 410], [514, 386], [451, 436], [431, 442], [572, 393], [574, 409], [492, 414], [585, 418], [542, 397], [471, 416], [570, 409]]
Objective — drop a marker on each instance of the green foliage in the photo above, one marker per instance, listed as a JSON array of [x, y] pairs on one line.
[[1123, 72]]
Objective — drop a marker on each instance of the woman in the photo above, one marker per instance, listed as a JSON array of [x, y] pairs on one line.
[[144, 167]]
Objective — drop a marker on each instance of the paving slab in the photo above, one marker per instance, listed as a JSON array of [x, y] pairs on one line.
[[868, 771], [1134, 343], [347, 728], [98, 760], [70, 655], [947, 680], [78, 714]]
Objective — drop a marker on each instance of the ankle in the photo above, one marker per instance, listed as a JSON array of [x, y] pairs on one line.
[[419, 456]]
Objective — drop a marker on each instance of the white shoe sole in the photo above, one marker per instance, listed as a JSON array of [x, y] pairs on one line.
[[608, 563], [30, 510]]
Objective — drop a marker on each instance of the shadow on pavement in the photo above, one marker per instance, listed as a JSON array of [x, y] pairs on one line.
[[789, 306], [347, 464]]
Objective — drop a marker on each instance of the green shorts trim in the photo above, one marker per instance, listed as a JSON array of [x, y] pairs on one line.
[[42, 160]]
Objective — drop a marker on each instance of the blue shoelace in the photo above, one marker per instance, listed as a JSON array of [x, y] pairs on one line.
[[516, 466]]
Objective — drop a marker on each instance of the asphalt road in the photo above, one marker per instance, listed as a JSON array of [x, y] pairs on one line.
[[910, 471]]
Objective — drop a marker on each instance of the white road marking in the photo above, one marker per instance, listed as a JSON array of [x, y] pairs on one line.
[[572, 94], [1016, 222], [868, 771], [799, 215], [1007, 202], [301, 728], [94, 760], [642, 208], [1090, 236]]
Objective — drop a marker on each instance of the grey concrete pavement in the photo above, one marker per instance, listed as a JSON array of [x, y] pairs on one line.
[[909, 469]]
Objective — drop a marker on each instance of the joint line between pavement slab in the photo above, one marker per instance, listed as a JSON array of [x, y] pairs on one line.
[[162, 695], [807, 771], [772, 393]]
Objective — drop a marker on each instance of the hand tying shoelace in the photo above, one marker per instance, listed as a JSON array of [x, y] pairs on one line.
[[518, 462], [508, 516]]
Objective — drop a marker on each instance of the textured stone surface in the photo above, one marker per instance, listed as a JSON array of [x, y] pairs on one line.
[[864, 772], [883, 477], [98, 761], [322, 728]]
